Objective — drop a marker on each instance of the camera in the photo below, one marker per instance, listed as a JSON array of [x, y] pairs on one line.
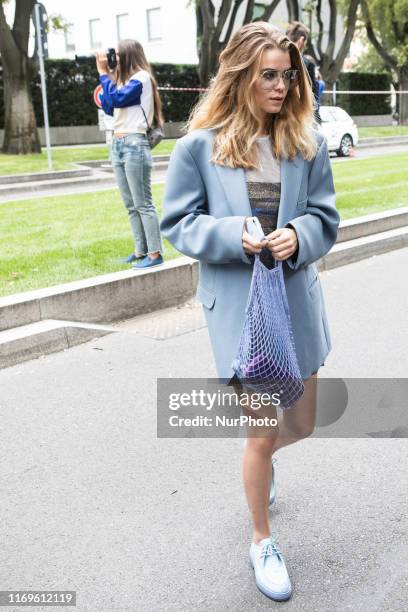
[[111, 55], [84, 59], [87, 59]]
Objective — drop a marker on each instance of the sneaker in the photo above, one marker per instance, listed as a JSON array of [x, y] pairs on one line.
[[271, 575], [147, 262], [131, 258]]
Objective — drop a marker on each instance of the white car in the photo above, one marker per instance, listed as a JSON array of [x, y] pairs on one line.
[[339, 129]]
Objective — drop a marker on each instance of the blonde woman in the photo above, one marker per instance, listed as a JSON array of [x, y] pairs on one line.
[[131, 96], [251, 151]]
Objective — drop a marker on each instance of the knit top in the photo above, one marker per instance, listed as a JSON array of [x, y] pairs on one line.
[[264, 189]]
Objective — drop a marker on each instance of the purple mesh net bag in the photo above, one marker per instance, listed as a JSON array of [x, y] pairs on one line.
[[266, 359]]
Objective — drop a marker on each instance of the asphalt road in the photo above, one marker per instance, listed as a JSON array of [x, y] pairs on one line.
[[375, 151], [93, 501]]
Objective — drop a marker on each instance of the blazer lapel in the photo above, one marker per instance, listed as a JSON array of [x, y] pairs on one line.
[[236, 193], [234, 185], [291, 179]]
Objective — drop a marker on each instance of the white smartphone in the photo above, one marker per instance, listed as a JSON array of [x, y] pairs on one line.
[[254, 228]]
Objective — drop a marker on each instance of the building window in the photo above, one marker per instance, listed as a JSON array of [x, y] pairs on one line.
[[95, 33], [69, 37], [122, 26], [154, 24]]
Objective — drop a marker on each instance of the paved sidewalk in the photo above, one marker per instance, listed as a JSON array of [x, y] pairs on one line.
[[92, 501]]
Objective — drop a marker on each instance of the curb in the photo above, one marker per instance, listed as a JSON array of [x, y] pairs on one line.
[[15, 184], [122, 295], [98, 163], [82, 169], [44, 337], [55, 185], [16, 179], [375, 223], [76, 178], [105, 298], [384, 140], [30, 328], [362, 248]]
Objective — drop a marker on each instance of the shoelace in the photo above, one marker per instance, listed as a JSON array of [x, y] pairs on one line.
[[270, 548]]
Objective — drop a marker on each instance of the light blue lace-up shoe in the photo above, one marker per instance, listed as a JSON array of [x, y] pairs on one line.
[[271, 575]]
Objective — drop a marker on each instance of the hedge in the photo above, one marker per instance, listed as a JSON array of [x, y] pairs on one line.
[[70, 88], [364, 104]]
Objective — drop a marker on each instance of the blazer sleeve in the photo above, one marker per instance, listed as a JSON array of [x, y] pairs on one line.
[[317, 229], [186, 223]]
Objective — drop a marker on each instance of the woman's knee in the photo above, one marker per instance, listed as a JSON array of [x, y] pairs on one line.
[[262, 446], [299, 428]]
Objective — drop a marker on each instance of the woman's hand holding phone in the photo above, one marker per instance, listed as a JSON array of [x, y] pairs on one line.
[[251, 241], [282, 242]]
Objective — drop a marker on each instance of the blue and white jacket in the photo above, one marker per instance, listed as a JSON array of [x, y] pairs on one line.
[[124, 102]]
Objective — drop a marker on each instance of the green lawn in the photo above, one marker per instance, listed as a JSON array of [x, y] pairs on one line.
[[385, 130], [370, 185], [52, 240], [64, 158]]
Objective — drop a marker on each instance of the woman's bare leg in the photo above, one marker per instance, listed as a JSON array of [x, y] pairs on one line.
[[257, 471], [299, 421], [296, 423]]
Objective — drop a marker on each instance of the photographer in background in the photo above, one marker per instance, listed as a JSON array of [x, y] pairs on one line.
[[298, 33], [131, 96]]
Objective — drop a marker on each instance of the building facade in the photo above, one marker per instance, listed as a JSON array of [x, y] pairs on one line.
[[165, 28]]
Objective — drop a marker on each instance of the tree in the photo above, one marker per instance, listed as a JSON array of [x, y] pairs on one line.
[[330, 63], [387, 29], [370, 61], [20, 129], [211, 24]]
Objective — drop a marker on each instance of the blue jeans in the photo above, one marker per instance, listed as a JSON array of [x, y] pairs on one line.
[[132, 163]]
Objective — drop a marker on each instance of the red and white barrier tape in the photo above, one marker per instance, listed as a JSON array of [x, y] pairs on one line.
[[182, 89], [339, 91]]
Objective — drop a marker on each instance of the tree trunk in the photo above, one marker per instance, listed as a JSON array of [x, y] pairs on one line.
[[210, 25], [209, 52], [403, 98], [20, 129]]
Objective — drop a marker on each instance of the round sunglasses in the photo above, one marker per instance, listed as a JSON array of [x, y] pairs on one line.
[[270, 78]]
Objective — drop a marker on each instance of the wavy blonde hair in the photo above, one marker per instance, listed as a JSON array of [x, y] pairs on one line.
[[229, 105]]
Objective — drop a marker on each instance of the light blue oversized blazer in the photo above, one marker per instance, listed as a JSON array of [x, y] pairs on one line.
[[205, 206]]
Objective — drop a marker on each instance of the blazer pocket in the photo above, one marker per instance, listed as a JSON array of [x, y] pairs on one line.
[[205, 297], [312, 277], [314, 288]]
